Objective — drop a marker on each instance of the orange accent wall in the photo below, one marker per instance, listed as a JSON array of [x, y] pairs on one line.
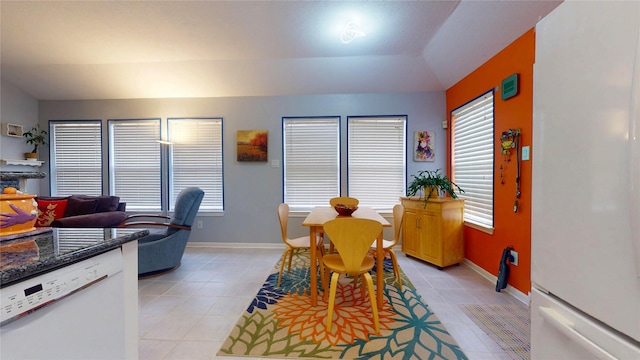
[[511, 228]]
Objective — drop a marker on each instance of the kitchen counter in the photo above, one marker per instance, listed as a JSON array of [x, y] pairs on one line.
[[47, 249]]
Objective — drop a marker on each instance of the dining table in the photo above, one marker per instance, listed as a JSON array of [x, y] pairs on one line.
[[316, 219]]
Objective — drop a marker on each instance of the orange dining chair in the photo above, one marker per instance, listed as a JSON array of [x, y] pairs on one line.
[[352, 240], [387, 245], [296, 244], [344, 200]]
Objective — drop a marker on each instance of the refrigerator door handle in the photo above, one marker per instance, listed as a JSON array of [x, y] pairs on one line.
[[634, 158], [567, 327]]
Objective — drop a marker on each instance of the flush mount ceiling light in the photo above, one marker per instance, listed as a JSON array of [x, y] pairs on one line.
[[351, 31]]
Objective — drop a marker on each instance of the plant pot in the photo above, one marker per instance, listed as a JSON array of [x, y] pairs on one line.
[[431, 191], [31, 156]]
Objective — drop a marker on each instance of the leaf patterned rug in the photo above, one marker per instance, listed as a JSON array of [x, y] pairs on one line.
[[281, 323]]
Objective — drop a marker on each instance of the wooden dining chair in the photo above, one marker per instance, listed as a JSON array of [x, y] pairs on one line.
[[344, 200], [294, 245], [352, 240], [387, 245]]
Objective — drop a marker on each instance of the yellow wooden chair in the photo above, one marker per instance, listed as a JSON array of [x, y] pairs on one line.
[[352, 238], [387, 245], [296, 244], [344, 200]]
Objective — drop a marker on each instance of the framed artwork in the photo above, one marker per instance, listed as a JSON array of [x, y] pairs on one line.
[[424, 146], [252, 145]]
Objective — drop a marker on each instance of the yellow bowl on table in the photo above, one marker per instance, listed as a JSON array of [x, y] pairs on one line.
[[345, 210], [18, 213]]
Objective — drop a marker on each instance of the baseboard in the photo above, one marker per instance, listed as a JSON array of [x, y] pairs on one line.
[[525, 298]]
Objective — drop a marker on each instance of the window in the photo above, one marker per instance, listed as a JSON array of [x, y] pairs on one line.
[[473, 158], [377, 160], [196, 159], [311, 161], [134, 163], [76, 157]]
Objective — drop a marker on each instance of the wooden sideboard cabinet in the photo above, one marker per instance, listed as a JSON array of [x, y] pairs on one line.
[[433, 233]]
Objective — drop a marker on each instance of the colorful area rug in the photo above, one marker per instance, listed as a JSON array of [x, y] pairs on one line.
[[281, 323], [508, 325]]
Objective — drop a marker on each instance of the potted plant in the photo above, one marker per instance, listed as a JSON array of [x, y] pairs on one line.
[[427, 182], [36, 136]]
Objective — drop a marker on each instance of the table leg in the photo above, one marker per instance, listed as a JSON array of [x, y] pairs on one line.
[[379, 270], [313, 270]]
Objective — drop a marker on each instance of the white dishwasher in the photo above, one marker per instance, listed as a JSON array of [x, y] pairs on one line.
[[68, 313]]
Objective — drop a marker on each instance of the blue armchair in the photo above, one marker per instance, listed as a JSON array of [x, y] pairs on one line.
[[161, 251]]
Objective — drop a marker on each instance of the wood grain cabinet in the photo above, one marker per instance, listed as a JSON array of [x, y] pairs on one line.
[[433, 233]]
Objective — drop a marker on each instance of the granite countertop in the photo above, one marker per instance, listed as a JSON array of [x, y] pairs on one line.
[[47, 249]]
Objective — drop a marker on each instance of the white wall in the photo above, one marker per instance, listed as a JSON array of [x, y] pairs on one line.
[[254, 190], [17, 107]]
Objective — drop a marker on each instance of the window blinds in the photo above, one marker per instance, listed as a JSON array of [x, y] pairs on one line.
[[76, 158], [196, 159], [311, 161], [473, 157], [135, 170], [377, 160]]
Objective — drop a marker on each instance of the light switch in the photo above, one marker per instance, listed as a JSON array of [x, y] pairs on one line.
[[525, 153], [275, 163]]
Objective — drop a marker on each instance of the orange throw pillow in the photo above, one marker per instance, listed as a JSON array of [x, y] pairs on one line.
[[49, 210]]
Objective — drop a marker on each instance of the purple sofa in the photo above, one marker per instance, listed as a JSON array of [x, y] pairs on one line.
[[84, 211]]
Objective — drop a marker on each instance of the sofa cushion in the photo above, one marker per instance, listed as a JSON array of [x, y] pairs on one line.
[[98, 220], [105, 202], [50, 210], [79, 206]]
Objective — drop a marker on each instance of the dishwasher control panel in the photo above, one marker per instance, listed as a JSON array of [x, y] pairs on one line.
[[20, 299]]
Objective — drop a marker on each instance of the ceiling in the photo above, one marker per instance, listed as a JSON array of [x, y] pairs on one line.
[[75, 50]]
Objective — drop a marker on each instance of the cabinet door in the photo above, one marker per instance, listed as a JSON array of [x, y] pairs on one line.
[[431, 241], [410, 233]]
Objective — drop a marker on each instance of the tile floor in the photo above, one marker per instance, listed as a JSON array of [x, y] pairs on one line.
[[187, 314]]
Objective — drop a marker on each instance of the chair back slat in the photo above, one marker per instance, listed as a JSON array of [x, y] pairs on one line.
[[283, 216], [352, 239], [398, 213]]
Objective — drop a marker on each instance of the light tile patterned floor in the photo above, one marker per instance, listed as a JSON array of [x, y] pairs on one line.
[[187, 314]]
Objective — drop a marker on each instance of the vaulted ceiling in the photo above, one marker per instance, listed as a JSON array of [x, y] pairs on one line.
[[73, 50]]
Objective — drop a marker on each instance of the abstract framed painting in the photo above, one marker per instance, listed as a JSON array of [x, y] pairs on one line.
[[424, 146], [252, 145]]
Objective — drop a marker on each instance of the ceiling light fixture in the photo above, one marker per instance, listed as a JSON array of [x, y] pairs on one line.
[[351, 31]]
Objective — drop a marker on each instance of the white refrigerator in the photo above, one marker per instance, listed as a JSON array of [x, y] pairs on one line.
[[585, 297]]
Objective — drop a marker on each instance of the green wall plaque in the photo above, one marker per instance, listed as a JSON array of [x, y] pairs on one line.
[[510, 86]]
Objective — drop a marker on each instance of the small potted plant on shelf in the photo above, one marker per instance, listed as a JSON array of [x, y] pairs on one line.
[[36, 136], [427, 183]]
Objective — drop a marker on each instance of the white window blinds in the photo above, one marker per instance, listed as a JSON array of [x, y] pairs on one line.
[[134, 160], [196, 159], [377, 160], [311, 161], [473, 157], [76, 158]]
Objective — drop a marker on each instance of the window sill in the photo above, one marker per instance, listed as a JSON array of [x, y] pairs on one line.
[[484, 229]]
